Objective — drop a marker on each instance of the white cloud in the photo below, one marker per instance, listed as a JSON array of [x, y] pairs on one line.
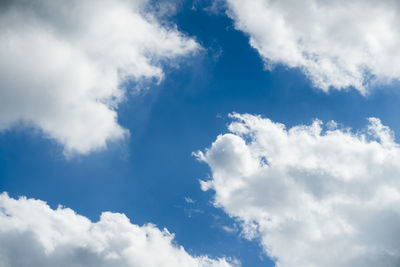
[[316, 196], [63, 62], [33, 234], [336, 43]]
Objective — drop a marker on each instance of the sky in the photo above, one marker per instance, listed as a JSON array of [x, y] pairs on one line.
[[258, 133]]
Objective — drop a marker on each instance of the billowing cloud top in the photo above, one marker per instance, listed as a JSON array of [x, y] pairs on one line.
[[62, 63], [314, 197], [33, 234], [337, 44]]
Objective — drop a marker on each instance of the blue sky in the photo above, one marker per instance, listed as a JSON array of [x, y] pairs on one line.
[[148, 175]]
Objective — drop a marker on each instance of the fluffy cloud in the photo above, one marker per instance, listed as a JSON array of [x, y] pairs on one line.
[[315, 195], [63, 62], [33, 234], [336, 43]]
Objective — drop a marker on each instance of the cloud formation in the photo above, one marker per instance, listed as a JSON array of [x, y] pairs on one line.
[[33, 234], [316, 195], [63, 62], [337, 44]]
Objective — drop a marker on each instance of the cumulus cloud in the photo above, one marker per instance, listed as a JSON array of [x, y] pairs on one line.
[[63, 64], [314, 195], [337, 44], [33, 234]]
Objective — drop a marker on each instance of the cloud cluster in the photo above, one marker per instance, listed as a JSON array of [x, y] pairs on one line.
[[33, 234], [337, 44], [315, 195], [63, 62]]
